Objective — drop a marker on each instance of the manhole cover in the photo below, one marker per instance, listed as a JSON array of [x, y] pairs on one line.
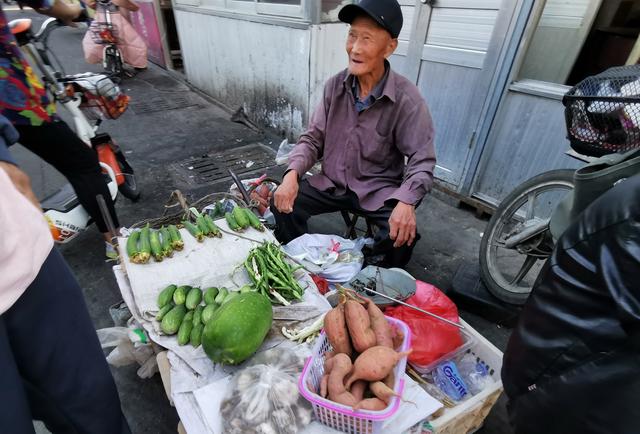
[[159, 104], [214, 167]]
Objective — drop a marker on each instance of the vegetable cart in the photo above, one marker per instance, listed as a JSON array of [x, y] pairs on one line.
[[196, 386]]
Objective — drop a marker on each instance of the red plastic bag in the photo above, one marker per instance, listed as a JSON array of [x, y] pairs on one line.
[[430, 338]]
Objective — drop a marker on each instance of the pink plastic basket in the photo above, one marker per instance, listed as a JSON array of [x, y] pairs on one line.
[[342, 417]]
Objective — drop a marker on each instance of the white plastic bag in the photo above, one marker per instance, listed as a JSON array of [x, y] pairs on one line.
[[263, 398], [338, 259], [131, 346], [282, 157]]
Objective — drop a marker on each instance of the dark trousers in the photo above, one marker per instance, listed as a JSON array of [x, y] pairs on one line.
[[51, 365], [59, 146], [310, 202]]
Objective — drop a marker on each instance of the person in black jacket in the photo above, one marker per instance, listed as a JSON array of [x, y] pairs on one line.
[[572, 364]]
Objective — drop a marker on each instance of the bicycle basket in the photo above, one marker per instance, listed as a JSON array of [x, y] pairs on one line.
[[602, 112], [101, 94], [104, 33]]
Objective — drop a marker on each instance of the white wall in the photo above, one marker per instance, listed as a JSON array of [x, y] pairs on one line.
[[328, 57], [262, 67]]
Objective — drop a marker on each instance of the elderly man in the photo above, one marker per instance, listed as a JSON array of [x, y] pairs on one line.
[[374, 134]]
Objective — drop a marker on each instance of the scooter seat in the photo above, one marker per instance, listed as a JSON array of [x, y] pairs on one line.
[[64, 200]]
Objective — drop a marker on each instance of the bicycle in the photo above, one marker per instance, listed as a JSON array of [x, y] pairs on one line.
[[106, 33], [602, 115]]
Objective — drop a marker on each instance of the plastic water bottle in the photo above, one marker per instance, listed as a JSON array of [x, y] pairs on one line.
[[474, 373], [448, 379]]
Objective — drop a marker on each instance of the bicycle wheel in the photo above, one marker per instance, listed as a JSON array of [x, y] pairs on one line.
[[517, 240]]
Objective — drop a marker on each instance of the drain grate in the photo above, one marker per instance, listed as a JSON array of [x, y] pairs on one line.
[[214, 167], [159, 104]]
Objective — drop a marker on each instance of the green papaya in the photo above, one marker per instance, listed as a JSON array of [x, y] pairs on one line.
[[238, 328]]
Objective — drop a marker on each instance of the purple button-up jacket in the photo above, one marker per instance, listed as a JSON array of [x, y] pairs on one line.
[[365, 152]]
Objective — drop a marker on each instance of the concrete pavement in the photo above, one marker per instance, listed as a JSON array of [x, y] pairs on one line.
[[152, 142]]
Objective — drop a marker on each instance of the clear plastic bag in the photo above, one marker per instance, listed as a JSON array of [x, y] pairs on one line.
[[263, 398], [335, 258], [131, 346], [285, 148]]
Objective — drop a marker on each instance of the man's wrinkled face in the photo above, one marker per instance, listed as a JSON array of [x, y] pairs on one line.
[[368, 45]]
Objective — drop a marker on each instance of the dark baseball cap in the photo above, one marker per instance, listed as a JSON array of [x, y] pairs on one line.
[[387, 13]]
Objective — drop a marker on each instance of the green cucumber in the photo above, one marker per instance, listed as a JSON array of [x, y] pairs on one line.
[[208, 312], [222, 294], [227, 339], [184, 333], [197, 315], [194, 297], [210, 295], [180, 294], [188, 316], [196, 334], [164, 310], [172, 320], [166, 295], [230, 296]]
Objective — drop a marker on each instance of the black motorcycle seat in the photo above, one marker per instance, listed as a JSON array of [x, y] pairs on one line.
[[64, 200]]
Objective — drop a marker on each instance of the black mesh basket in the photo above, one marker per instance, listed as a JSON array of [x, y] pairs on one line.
[[603, 112]]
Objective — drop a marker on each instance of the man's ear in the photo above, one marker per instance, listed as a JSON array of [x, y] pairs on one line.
[[391, 47]]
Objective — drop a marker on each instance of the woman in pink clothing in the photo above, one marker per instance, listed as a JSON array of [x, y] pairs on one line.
[[131, 45]]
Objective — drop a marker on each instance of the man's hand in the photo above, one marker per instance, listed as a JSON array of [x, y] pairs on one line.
[[286, 193], [402, 224], [20, 181]]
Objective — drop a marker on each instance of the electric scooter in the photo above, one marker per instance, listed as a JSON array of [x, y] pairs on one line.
[[89, 98]]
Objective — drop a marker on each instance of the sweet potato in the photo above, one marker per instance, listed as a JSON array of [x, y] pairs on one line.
[[340, 365], [359, 325], [379, 324], [358, 388], [335, 327], [373, 404], [390, 380], [397, 336], [374, 364], [323, 385], [382, 391]]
